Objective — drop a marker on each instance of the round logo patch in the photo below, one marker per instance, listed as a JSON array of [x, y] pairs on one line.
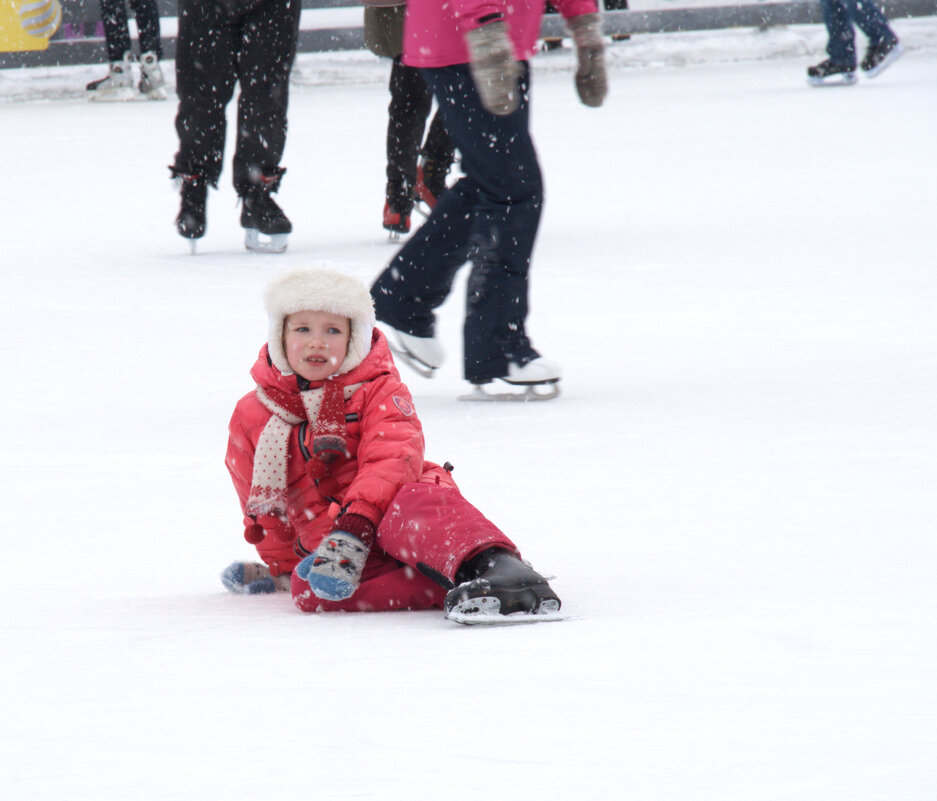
[[405, 408]]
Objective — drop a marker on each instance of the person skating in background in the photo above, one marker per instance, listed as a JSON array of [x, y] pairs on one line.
[[473, 54], [409, 181], [118, 83], [220, 45], [327, 458], [840, 16]]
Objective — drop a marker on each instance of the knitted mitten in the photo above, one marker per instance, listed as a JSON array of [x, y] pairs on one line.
[[334, 569], [251, 578]]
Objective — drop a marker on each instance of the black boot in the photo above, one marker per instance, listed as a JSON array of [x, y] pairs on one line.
[[497, 582], [259, 210], [191, 219], [264, 223], [830, 72]]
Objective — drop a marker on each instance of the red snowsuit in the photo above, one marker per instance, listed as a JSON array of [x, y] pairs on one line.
[[424, 525]]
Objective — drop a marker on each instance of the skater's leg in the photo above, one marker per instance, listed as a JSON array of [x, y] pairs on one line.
[[116, 30], [841, 43], [146, 13], [870, 19], [410, 104], [205, 78], [419, 278], [507, 215], [266, 47], [433, 528]]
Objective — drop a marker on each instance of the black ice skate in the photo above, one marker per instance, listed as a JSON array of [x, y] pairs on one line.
[[190, 223], [880, 57], [265, 225], [829, 73], [500, 588]]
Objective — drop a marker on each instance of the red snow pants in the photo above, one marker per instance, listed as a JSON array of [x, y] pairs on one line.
[[426, 534]]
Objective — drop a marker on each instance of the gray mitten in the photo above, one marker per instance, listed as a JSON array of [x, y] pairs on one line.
[[591, 82], [494, 68]]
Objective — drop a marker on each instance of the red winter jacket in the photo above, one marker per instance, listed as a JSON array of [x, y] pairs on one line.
[[383, 437]]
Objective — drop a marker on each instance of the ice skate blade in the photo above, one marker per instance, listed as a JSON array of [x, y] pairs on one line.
[[412, 362], [157, 94], [529, 392], [121, 95], [393, 237], [257, 242], [485, 612], [843, 79]]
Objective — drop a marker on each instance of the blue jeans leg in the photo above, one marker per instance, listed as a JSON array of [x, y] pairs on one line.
[[841, 15]]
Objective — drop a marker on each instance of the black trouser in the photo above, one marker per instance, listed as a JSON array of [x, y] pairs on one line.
[[117, 34], [490, 217], [215, 49], [410, 103]]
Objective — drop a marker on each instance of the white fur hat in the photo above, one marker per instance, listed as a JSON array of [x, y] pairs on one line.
[[319, 290]]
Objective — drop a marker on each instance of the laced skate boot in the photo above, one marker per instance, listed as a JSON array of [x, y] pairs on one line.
[[265, 225], [880, 57], [152, 83], [116, 86], [191, 220], [423, 354], [252, 578], [498, 583], [334, 570], [829, 73]]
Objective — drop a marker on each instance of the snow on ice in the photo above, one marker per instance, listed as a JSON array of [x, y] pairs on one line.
[[735, 490]]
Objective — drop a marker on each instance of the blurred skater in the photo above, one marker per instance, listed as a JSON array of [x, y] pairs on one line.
[[118, 83], [840, 68]]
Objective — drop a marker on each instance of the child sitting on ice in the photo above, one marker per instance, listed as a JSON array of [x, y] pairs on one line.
[[326, 456]]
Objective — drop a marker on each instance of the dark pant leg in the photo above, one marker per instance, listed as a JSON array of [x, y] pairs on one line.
[[267, 46], [146, 13], [419, 278], [410, 104], [116, 32], [438, 146], [508, 202], [490, 216], [871, 20], [206, 71], [841, 45]]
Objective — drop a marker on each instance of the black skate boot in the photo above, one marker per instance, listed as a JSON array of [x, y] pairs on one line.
[[498, 583], [881, 56], [191, 220], [265, 225], [829, 73]]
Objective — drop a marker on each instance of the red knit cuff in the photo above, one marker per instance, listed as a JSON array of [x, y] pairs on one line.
[[357, 526]]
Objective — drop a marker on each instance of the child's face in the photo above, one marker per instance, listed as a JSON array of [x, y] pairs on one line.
[[315, 343]]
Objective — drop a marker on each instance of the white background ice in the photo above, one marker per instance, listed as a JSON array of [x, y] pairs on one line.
[[736, 490]]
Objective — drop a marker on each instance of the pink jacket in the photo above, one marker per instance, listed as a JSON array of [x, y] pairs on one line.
[[434, 30]]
